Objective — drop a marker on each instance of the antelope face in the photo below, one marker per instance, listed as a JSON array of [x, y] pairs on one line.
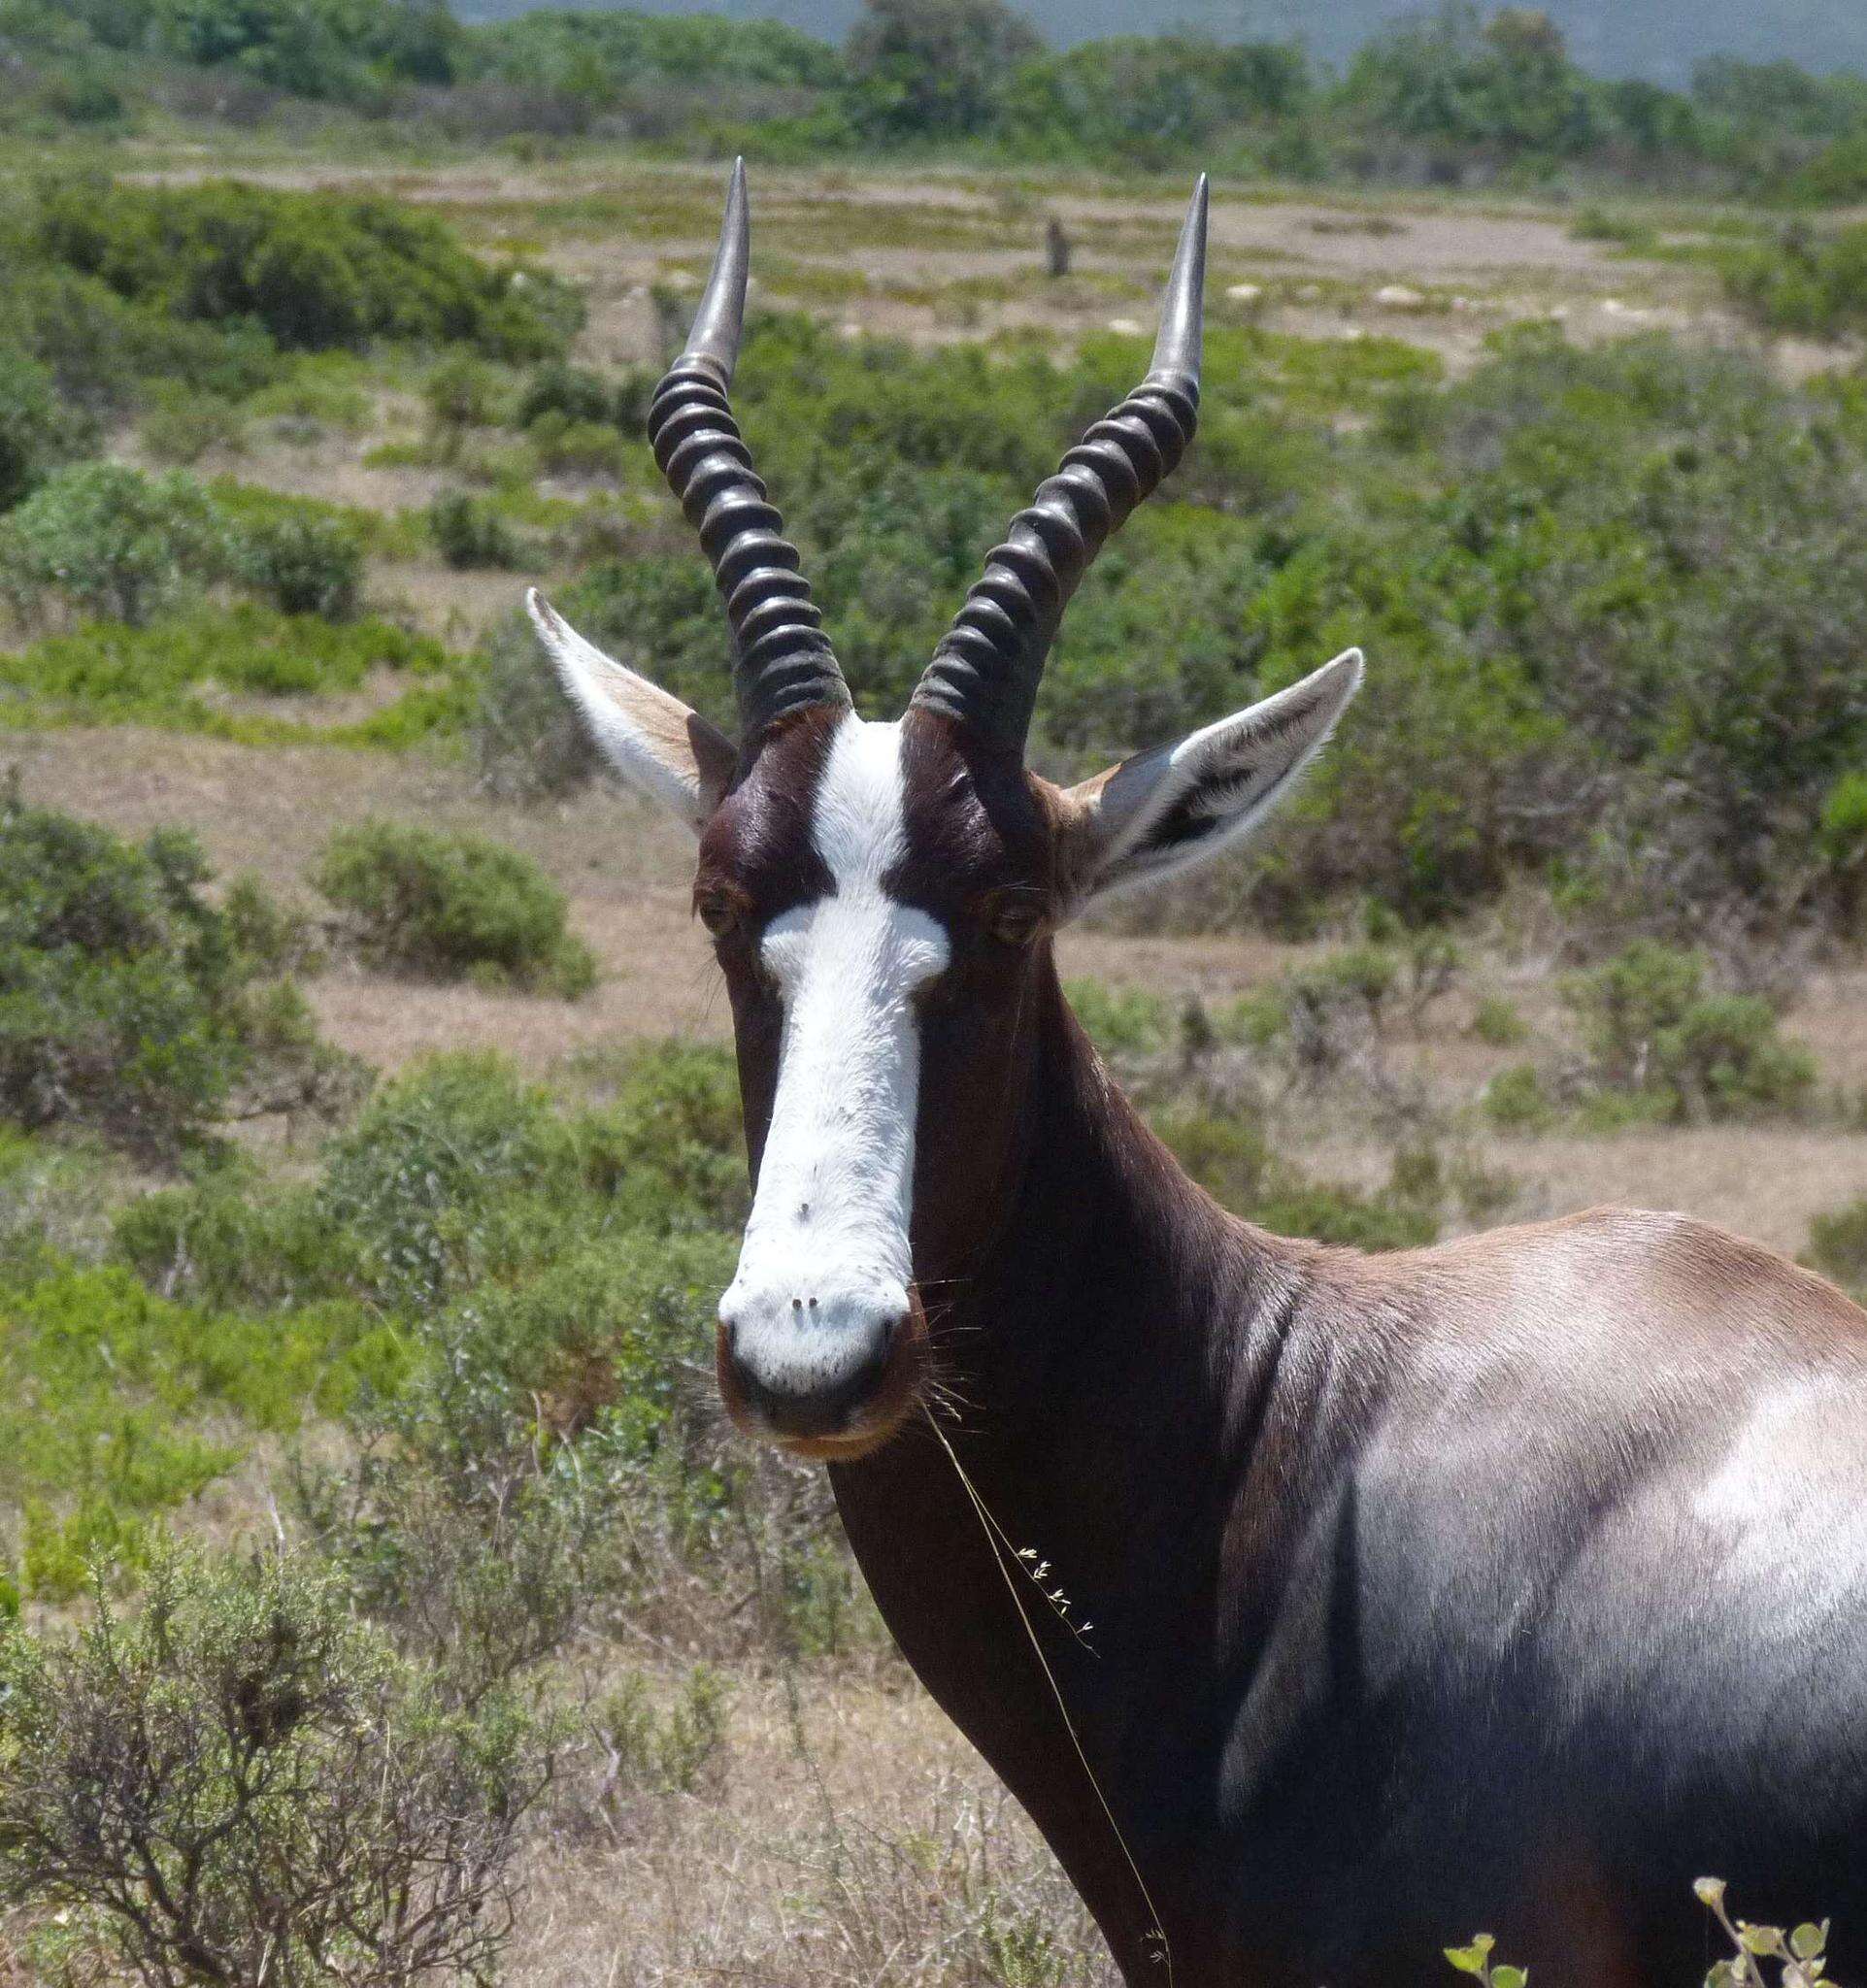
[[881, 896]]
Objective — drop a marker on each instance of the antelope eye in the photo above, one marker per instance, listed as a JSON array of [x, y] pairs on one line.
[[716, 911], [1014, 917]]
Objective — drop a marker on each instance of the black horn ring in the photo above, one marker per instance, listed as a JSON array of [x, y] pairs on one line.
[[986, 669], [782, 661]]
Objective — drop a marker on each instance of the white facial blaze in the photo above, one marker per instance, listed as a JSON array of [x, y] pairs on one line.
[[825, 1264]]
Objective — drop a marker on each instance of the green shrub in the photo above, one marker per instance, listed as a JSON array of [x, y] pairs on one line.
[[1655, 1035], [239, 1780], [1805, 282], [1838, 1245], [126, 1001], [313, 270], [454, 1172], [470, 533], [568, 447], [1497, 1023], [424, 901], [36, 431], [1515, 1100], [669, 1146], [111, 540], [574, 392], [1230, 1155], [302, 563], [461, 392], [183, 425], [119, 1405]]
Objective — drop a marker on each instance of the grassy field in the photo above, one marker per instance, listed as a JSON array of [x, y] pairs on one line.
[[831, 1830]]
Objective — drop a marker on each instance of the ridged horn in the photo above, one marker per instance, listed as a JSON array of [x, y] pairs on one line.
[[781, 658], [986, 669]]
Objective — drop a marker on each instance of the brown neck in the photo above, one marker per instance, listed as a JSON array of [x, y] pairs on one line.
[[1108, 1356]]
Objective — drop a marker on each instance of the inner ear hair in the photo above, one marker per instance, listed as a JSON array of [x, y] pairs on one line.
[[1170, 806]]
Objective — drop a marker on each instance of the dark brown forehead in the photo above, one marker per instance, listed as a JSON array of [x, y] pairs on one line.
[[760, 839], [972, 817]]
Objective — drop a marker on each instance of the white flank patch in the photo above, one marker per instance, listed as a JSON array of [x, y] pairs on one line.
[[825, 1264]]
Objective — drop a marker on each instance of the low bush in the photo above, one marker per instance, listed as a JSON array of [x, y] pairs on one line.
[[312, 270], [1497, 1023], [107, 540], [302, 563], [425, 901], [127, 1001], [455, 1171], [37, 431], [568, 447], [1517, 1100], [1655, 1035], [241, 1781], [1838, 1245], [573, 392], [183, 425], [470, 533], [1804, 282]]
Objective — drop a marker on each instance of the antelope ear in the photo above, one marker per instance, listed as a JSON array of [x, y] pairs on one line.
[[656, 744], [1174, 806]]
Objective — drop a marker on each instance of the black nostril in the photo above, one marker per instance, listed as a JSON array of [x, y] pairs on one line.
[[824, 1409]]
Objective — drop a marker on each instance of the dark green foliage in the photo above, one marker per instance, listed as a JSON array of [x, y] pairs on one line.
[[105, 355], [469, 532], [600, 61], [128, 1002], [1454, 77], [423, 900], [449, 1176], [312, 270], [36, 430], [1838, 1245], [239, 1780], [303, 564], [104, 538], [1152, 100], [935, 68], [557, 388], [1804, 282]]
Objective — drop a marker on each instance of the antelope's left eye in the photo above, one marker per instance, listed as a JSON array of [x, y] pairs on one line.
[[1014, 917], [716, 910]]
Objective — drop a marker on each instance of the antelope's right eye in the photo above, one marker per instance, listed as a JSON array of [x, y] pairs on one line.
[[717, 911]]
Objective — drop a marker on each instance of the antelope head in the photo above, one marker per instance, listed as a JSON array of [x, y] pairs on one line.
[[881, 896]]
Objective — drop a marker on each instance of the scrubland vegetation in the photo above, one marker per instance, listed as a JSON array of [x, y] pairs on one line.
[[355, 1404]]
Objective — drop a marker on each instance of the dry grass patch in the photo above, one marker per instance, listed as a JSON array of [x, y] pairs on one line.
[[857, 1842]]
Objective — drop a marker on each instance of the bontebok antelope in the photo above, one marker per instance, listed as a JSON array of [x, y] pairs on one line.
[[1514, 1583]]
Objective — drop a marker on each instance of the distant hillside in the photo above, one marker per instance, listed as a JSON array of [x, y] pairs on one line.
[[1660, 39]]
